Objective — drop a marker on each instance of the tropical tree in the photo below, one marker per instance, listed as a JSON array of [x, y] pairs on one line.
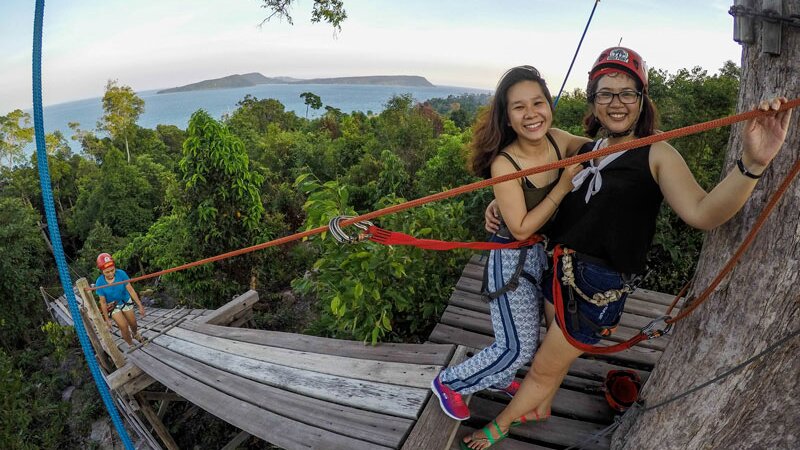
[[21, 270], [121, 109], [117, 195], [220, 194], [331, 11], [15, 133], [312, 100], [755, 407]]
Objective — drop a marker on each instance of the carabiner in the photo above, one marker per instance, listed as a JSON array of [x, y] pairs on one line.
[[652, 330], [342, 237]]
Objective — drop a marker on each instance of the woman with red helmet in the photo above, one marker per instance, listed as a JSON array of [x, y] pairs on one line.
[[606, 224], [120, 298]]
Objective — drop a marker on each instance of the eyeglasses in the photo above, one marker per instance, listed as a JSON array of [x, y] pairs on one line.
[[626, 97]]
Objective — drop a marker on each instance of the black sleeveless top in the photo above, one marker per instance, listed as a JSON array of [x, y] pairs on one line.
[[619, 221], [533, 195]]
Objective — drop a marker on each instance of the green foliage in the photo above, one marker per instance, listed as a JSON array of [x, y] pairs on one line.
[[60, 337], [22, 267], [311, 100], [331, 11], [373, 292], [118, 196], [569, 113], [407, 131], [121, 109], [220, 200], [461, 109], [15, 412], [688, 97], [15, 133]]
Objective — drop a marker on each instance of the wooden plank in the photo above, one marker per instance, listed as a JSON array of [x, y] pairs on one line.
[[403, 374], [510, 443], [157, 424], [396, 400], [560, 431], [95, 315], [431, 430], [100, 355], [237, 441], [160, 396], [225, 314], [373, 427], [368, 426], [278, 430], [435, 354], [448, 334]]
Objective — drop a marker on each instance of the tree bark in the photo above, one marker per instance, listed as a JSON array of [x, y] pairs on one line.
[[758, 304]]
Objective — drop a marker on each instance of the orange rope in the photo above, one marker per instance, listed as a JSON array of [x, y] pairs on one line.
[[773, 201], [636, 143]]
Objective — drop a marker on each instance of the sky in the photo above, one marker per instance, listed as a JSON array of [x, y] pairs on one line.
[[152, 44]]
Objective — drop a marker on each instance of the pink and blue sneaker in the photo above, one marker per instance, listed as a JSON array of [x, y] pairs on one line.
[[451, 402], [510, 390]]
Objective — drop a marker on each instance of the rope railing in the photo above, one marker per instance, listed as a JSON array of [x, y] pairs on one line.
[[616, 148]]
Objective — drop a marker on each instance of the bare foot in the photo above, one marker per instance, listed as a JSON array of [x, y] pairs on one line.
[[485, 438]]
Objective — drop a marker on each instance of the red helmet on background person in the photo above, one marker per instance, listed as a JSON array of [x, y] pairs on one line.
[[620, 59], [104, 261]]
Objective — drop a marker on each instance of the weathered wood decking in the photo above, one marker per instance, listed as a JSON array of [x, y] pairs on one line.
[[580, 409], [300, 392]]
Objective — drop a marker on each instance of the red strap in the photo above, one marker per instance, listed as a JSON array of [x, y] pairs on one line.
[[388, 237], [558, 300]]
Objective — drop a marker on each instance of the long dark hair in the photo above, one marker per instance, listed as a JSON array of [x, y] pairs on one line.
[[492, 130], [648, 116]]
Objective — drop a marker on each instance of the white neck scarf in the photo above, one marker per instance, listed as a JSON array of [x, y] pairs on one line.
[[593, 172]]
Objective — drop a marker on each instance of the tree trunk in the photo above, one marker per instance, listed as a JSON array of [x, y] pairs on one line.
[[756, 407], [127, 150]]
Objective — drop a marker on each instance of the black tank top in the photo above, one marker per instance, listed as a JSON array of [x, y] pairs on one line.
[[619, 221], [533, 194]]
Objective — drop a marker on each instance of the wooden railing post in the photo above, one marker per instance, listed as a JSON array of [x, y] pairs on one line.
[[99, 322]]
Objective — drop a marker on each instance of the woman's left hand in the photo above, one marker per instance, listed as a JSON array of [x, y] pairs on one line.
[[764, 135], [141, 311]]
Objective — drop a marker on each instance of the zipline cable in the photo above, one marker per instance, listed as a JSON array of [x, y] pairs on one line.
[[55, 234], [566, 77], [616, 148]]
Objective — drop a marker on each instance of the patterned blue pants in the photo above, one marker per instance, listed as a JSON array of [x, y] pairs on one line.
[[516, 317]]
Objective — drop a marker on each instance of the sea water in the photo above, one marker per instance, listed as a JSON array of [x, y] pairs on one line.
[[176, 108]]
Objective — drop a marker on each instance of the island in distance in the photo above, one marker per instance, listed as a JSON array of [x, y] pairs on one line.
[[255, 78]]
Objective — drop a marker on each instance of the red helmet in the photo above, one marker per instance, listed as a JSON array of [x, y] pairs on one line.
[[104, 261], [622, 388], [620, 59]]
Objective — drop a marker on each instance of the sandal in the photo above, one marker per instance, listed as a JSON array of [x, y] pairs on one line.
[[487, 439], [524, 419]]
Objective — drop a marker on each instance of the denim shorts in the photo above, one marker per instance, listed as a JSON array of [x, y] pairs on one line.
[[127, 305], [591, 279]]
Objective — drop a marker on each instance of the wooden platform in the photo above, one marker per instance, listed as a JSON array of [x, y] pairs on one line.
[[301, 392], [580, 409]]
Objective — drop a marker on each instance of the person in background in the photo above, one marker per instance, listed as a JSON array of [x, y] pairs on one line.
[[514, 133], [605, 226], [120, 297]]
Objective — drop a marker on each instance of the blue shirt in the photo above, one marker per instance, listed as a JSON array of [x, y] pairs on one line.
[[118, 293]]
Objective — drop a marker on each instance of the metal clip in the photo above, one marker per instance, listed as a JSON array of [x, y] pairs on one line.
[[652, 330], [342, 237]]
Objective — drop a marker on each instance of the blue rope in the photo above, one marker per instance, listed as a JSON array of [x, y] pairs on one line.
[[55, 234], [576, 54]]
